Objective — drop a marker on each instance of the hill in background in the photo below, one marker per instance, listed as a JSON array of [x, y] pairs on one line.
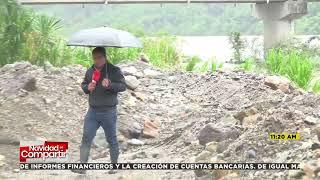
[[177, 19]]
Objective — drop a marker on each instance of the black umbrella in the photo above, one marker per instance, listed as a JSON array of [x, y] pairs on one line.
[[104, 37]]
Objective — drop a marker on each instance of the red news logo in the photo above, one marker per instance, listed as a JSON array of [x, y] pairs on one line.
[[43, 151]]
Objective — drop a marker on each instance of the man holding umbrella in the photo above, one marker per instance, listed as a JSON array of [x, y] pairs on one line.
[[103, 81]]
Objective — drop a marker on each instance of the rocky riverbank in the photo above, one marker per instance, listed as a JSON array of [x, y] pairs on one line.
[[164, 116]]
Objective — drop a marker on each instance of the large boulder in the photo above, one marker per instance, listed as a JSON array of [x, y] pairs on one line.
[[151, 129], [28, 83], [135, 131], [130, 70], [130, 130], [151, 73], [277, 82], [247, 117], [21, 81], [132, 82], [213, 132], [144, 58], [16, 77]]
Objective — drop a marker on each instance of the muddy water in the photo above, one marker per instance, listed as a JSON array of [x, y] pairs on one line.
[[219, 47]]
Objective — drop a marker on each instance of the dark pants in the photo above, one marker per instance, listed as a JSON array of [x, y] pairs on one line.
[[93, 120]]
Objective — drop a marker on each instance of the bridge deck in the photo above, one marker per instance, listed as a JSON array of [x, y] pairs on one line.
[[26, 2]]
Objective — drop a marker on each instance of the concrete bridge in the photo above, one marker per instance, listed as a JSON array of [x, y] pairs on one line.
[[277, 15], [144, 1]]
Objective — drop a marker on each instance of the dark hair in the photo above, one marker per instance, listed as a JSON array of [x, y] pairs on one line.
[[101, 50]]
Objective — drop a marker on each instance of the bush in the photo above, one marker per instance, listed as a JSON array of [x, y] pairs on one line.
[[210, 65], [316, 87], [191, 63], [82, 56], [15, 23], [42, 44], [297, 66], [238, 46], [214, 66], [162, 51], [117, 55], [247, 65]]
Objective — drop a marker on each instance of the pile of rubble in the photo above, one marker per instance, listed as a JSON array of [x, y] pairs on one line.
[[165, 116]]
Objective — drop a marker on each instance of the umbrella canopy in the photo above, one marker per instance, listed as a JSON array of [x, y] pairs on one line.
[[105, 37]]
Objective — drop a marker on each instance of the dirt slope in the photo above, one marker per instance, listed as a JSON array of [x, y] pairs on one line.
[[220, 117]]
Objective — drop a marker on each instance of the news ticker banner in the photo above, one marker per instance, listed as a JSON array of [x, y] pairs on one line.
[[51, 155], [160, 166], [52, 151]]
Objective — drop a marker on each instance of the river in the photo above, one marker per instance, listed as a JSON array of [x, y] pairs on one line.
[[218, 47]]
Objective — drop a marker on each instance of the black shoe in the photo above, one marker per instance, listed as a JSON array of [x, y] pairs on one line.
[[79, 171]]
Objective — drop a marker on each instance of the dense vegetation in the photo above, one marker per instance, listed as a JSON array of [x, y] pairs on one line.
[[26, 35], [177, 19], [29, 36], [297, 61]]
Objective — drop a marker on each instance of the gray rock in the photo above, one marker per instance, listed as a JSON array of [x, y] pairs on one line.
[[282, 157], [273, 124], [295, 174], [156, 154], [21, 65], [311, 120], [315, 146], [69, 88], [100, 139], [131, 70], [48, 66], [136, 142], [140, 155], [228, 119], [7, 67], [222, 146], [22, 93], [171, 78], [236, 78], [135, 131], [204, 155], [151, 73], [132, 82], [212, 132], [212, 146], [251, 153], [47, 100], [30, 84]]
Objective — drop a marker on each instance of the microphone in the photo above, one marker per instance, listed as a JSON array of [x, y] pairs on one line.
[[96, 75]]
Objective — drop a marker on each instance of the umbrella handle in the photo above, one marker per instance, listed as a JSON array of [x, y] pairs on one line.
[[106, 71]]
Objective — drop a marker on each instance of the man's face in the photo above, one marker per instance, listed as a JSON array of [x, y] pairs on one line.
[[98, 59]]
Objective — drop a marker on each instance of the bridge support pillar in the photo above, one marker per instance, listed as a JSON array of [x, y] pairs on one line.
[[278, 18]]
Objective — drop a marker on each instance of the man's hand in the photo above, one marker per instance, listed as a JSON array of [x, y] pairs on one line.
[[92, 86], [105, 83]]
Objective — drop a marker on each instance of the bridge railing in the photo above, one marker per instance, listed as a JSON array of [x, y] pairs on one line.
[[142, 1]]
